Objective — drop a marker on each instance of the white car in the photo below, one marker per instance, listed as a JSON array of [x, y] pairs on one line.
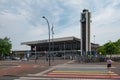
[[15, 58], [24, 59]]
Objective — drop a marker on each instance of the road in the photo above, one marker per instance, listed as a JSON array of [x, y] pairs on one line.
[[59, 70]]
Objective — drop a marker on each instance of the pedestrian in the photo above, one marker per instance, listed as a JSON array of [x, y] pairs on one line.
[[109, 64]]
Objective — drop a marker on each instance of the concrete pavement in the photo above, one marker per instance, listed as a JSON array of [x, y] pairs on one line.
[[59, 70], [73, 71]]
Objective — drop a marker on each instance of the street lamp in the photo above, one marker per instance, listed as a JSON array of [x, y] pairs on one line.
[[52, 42], [49, 37]]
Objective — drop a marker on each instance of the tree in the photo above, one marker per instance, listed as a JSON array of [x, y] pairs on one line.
[[5, 46], [110, 48], [117, 43], [101, 49]]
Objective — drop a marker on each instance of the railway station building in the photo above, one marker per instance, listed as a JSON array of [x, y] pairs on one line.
[[64, 46]]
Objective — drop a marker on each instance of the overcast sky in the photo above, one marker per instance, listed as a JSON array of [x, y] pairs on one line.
[[22, 21]]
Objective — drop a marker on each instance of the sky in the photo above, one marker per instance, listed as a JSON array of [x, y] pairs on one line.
[[21, 20]]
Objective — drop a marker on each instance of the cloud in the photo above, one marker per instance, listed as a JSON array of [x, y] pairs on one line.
[[106, 21], [22, 20]]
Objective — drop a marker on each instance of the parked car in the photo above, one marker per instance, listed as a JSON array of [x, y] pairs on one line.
[[24, 59], [15, 58], [7, 58]]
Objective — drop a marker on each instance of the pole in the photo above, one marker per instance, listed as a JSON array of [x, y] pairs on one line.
[[64, 50], [35, 54], [52, 29], [94, 44], [49, 38], [94, 39]]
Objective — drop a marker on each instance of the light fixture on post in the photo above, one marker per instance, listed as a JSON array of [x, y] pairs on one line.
[[49, 38]]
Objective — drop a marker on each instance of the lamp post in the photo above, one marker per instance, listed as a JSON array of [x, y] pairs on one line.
[[49, 38], [52, 29]]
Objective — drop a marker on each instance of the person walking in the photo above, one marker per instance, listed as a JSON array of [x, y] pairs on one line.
[[109, 64]]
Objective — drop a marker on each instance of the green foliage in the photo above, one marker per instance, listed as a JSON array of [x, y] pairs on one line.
[[5, 46], [110, 48], [117, 43], [101, 50]]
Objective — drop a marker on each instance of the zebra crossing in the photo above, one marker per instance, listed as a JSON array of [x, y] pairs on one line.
[[74, 72], [90, 73]]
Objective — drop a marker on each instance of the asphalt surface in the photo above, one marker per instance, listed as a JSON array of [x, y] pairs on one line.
[[13, 70]]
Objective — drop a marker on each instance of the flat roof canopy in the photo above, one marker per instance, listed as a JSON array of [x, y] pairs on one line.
[[55, 40]]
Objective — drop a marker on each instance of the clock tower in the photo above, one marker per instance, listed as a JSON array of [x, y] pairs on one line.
[[85, 32]]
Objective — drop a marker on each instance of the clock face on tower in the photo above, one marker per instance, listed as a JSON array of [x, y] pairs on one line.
[[83, 18]]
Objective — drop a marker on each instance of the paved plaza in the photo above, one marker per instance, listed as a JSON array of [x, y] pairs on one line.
[[59, 70], [84, 71]]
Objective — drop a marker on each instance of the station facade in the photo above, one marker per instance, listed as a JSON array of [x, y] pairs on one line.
[[58, 46]]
